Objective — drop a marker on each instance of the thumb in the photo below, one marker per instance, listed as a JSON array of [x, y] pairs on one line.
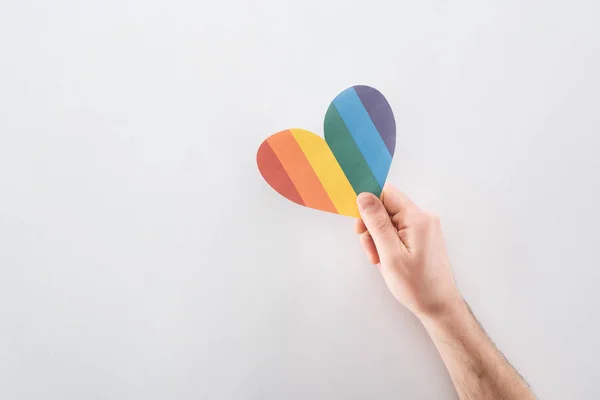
[[379, 225]]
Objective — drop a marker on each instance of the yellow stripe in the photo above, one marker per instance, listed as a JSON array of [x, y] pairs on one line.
[[329, 171]]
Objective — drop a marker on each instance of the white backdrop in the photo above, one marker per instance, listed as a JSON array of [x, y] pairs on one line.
[[142, 256]]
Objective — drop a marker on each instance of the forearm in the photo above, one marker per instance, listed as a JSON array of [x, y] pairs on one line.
[[477, 369]]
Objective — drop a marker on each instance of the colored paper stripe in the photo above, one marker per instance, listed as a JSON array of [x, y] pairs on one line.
[[271, 169], [300, 171], [328, 170], [348, 154], [364, 133], [381, 114]]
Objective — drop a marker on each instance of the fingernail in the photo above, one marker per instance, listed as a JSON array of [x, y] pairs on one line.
[[366, 202]]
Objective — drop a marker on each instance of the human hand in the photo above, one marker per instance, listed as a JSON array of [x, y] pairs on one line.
[[408, 246]]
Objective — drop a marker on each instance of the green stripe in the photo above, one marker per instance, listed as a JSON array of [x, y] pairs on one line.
[[348, 154]]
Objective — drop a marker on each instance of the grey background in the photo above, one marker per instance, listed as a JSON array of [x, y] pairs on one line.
[[143, 257]]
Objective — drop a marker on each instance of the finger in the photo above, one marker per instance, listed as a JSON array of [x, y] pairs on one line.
[[359, 226], [395, 201], [369, 247], [379, 225]]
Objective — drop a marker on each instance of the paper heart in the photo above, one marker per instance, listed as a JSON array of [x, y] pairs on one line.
[[355, 157]]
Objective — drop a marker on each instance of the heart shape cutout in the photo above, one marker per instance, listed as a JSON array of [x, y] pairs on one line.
[[328, 174]]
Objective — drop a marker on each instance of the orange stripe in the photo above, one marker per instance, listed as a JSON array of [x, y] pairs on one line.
[[271, 169], [300, 171]]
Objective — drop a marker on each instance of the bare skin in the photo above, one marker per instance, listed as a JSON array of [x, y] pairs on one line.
[[407, 245]]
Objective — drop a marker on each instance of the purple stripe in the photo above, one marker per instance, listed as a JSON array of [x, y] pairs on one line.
[[381, 114]]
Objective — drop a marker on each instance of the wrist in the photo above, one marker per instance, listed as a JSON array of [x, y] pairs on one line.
[[453, 308]]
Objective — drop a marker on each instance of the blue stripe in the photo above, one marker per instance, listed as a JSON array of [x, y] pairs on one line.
[[364, 133]]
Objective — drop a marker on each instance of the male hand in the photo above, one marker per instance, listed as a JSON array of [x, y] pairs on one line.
[[408, 245]]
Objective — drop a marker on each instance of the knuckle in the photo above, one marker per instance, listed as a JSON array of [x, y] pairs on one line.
[[398, 221], [434, 219], [422, 219], [428, 221], [433, 222]]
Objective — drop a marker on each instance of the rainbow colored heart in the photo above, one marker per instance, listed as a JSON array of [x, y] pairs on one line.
[[355, 157]]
